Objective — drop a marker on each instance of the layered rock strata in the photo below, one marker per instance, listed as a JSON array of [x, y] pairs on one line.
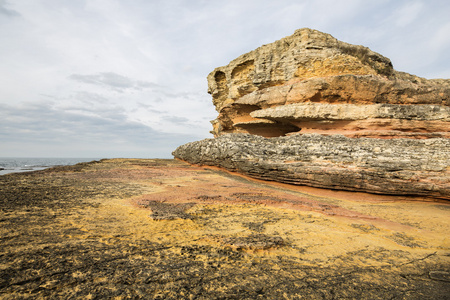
[[376, 120], [395, 166], [338, 116]]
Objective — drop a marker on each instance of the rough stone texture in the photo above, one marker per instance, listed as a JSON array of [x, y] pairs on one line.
[[311, 66], [396, 166], [326, 111]]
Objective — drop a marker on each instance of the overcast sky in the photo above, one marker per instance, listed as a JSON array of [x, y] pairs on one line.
[[127, 78]]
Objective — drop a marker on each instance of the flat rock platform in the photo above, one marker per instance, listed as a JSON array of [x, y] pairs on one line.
[[164, 229]]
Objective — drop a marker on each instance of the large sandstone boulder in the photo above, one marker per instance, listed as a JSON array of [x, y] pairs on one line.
[[309, 109], [313, 67]]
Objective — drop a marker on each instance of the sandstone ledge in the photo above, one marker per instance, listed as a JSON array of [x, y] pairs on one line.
[[376, 120], [396, 166]]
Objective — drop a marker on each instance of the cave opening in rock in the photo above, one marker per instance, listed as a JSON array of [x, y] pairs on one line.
[[267, 128]]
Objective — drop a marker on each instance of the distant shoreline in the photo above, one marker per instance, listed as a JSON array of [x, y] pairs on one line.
[[10, 165]]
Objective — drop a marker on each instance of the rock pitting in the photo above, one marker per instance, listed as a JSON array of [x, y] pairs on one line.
[[311, 110]]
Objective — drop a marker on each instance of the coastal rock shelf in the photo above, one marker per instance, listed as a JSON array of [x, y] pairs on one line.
[[311, 110], [164, 229]]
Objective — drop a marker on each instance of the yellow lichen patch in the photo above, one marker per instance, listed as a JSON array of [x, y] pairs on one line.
[[242, 79], [221, 88], [332, 66]]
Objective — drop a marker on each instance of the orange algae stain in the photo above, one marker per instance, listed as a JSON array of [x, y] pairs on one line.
[[208, 187], [259, 218], [231, 210]]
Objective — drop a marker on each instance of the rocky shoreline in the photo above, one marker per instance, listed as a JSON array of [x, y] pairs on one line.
[[164, 229]]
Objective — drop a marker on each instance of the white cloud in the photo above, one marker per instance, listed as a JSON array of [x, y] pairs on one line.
[[115, 81], [105, 69], [39, 129], [408, 13], [5, 11]]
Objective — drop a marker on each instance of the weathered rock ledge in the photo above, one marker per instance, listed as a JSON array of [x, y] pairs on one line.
[[398, 166], [376, 120]]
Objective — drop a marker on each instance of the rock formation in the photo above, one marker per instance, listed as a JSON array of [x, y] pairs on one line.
[[314, 68], [311, 83]]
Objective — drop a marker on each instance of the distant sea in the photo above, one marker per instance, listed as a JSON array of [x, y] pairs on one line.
[[26, 164]]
